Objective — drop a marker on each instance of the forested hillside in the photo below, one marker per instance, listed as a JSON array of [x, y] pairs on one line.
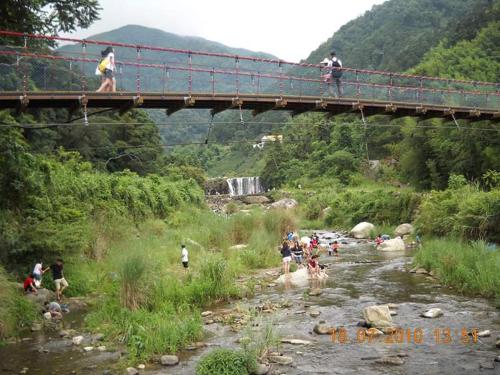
[[423, 154], [396, 35]]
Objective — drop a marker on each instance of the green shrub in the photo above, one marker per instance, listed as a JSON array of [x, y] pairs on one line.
[[16, 311], [225, 362], [466, 212], [471, 267]]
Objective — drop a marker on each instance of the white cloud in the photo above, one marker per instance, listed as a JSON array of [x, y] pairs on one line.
[[289, 30]]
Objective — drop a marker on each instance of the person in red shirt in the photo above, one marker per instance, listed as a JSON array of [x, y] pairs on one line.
[[313, 266], [29, 284], [378, 240]]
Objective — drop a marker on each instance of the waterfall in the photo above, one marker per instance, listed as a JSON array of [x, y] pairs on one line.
[[244, 186]]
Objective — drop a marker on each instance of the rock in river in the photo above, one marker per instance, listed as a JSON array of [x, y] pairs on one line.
[[362, 230], [280, 359], [169, 360], [298, 278], [295, 341], [261, 369], [131, 371], [485, 333], [315, 292], [322, 329], [378, 316], [403, 230], [394, 361], [396, 244], [314, 313], [433, 313], [77, 340]]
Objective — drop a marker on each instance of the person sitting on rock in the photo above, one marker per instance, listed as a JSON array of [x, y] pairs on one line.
[[379, 240], [29, 284]]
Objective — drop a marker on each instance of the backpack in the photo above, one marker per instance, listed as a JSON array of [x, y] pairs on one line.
[[103, 65], [336, 72]]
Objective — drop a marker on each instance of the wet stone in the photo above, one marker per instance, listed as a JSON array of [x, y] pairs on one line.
[[315, 292], [169, 360], [487, 365], [206, 313], [131, 371], [314, 313], [485, 333], [433, 313], [261, 369], [393, 361], [322, 329], [280, 360]]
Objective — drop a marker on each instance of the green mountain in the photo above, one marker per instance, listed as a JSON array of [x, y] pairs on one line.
[[187, 125], [396, 35], [426, 154]]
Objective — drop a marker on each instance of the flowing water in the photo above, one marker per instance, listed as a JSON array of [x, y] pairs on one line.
[[359, 277], [244, 186]]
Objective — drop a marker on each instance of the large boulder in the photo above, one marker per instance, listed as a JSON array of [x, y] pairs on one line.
[[255, 199], [298, 278], [396, 244], [285, 203], [403, 230], [43, 295], [378, 316], [362, 230]]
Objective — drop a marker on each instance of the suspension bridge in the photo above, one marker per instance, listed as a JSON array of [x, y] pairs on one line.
[[35, 76]]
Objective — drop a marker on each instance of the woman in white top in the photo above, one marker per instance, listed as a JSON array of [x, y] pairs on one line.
[[38, 272], [109, 82]]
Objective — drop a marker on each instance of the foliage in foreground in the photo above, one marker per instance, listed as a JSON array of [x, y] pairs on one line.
[[16, 312], [226, 362], [471, 267], [146, 289]]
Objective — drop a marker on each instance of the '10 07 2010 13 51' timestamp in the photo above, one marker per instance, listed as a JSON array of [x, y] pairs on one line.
[[416, 336]]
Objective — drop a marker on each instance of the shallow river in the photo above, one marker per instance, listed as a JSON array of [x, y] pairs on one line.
[[359, 277]]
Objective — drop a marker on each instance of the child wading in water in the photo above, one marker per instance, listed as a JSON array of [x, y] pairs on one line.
[[334, 248]]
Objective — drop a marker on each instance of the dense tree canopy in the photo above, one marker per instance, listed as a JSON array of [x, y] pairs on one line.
[[47, 17]]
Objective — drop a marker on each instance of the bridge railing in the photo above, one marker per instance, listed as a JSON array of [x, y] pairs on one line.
[[27, 64]]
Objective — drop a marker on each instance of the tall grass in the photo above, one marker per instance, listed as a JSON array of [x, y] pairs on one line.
[[471, 267], [132, 273], [147, 290], [16, 311]]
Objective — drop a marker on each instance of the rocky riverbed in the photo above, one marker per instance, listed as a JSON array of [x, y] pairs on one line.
[[359, 278]]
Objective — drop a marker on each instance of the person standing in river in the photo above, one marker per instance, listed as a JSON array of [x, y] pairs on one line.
[[58, 276], [286, 254]]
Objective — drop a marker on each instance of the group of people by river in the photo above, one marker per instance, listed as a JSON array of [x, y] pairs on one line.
[[306, 252]]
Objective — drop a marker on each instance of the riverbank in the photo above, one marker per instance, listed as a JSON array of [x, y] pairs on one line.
[[472, 267], [360, 277]]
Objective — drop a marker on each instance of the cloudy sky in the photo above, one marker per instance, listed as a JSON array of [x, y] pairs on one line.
[[289, 30]]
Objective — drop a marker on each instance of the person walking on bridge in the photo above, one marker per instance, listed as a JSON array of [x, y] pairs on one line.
[[336, 66], [107, 68]]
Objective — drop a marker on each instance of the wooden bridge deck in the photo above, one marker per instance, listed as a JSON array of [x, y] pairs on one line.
[[173, 102]]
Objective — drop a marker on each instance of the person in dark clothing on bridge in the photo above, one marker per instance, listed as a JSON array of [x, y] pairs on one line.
[[336, 66]]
